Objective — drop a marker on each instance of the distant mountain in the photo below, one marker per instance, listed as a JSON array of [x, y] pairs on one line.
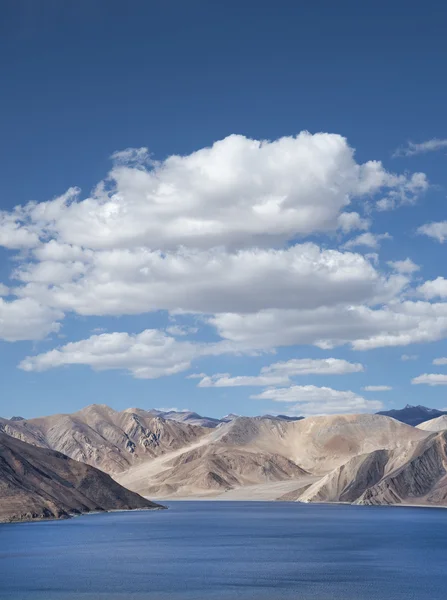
[[37, 483], [413, 415], [16, 419], [229, 418], [192, 418], [284, 418]]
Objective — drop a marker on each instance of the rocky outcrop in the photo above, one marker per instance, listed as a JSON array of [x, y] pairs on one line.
[[415, 473], [421, 480], [38, 483], [349, 481]]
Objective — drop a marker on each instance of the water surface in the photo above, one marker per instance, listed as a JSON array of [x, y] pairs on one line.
[[230, 550]]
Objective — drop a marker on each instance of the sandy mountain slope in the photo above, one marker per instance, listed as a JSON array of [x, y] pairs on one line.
[[422, 479], [103, 437], [411, 474], [348, 482], [438, 424], [252, 451], [37, 483], [318, 444]]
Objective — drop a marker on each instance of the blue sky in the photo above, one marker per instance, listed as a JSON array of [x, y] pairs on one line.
[[223, 249]]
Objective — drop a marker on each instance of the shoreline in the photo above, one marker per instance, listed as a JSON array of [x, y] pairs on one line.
[[218, 499], [70, 516]]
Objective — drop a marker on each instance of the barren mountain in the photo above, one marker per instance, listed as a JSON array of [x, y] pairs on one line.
[[250, 451], [422, 479], [348, 482], [103, 437], [438, 424], [329, 458], [37, 483], [412, 474]]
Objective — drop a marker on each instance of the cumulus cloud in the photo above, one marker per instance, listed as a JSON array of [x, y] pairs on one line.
[[147, 355], [181, 330], [237, 192], [350, 221], [412, 148], [377, 388], [407, 266], [436, 230], [196, 233], [440, 361], [313, 400], [14, 232], [280, 373], [368, 240], [218, 232], [399, 324], [139, 280], [434, 289], [431, 379], [26, 319]]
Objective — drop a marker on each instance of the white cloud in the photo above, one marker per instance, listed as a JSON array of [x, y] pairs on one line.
[[368, 239], [406, 357], [434, 289], [398, 324], [180, 330], [377, 388], [406, 266], [26, 319], [4, 290], [431, 379], [436, 230], [440, 361], [350, 221], [139, 280], [147, 355], [314, 366], [14, 233], [406, 194], [210, 233], [313, 400], [280, 373], [412, 148], [224, 380], [237, 192]]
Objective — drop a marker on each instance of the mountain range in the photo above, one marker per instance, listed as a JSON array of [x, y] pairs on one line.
[[413, 415], [366, 459]]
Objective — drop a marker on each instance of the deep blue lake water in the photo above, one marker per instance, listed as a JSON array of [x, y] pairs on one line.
[[230, 550]]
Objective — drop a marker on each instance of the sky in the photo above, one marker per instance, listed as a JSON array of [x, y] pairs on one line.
[[234, 207]]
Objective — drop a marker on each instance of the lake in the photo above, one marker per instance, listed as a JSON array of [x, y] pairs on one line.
[[230, 550]]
